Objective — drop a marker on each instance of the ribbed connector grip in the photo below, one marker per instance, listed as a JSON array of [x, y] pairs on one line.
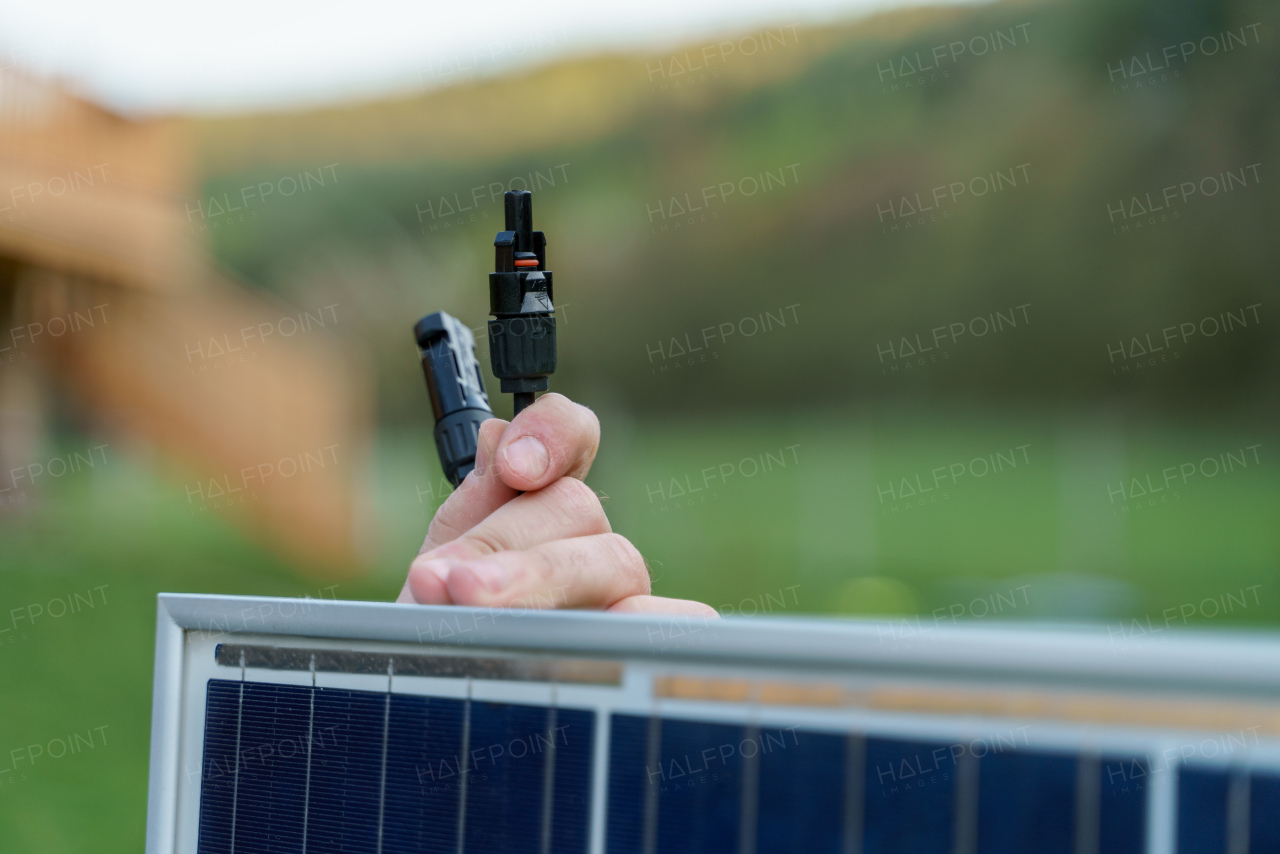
[[522, 351], [457, 437]]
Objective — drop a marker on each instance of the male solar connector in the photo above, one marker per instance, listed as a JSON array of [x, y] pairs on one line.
[[522, 333], [458, 398]]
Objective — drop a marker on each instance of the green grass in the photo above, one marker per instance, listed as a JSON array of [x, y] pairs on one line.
[[116, 539], [813, 536], [828, 523]]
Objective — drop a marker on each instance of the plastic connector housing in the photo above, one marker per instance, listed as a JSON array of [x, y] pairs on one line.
[[522, 333], [456, 387]]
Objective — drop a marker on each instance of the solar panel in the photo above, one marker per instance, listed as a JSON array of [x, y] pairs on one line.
[[287, 726]]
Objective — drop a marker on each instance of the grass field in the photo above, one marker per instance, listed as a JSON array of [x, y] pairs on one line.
[[805, 515]]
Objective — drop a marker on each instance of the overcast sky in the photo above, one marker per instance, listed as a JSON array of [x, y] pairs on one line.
[[231, 55]]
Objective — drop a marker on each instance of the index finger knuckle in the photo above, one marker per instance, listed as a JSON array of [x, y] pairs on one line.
[[629, 562], [579, 500]]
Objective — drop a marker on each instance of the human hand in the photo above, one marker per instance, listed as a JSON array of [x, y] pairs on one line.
[[551, 547]]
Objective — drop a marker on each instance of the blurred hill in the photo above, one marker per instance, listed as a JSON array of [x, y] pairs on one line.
[[855, 138]]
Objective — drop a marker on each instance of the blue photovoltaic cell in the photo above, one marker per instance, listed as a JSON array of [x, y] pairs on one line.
[[1264, 814], [1122, 817], [217, 779], [910, 795], [696, 782], [624, 823], [1202, 811], [801, 792], [575, 744], [424, 747], [505, 778], [346, 771], [1026, 802], [274, 736], [699, 783], [272, 795]]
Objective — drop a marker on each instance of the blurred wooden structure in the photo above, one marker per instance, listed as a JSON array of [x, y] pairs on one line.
[[107, 294]]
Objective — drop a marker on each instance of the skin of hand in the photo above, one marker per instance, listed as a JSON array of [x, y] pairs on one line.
[[552, 547]]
